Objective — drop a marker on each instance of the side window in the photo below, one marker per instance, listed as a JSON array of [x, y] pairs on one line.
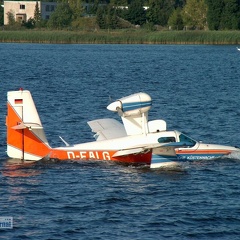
[[166, 139], [22, 6]]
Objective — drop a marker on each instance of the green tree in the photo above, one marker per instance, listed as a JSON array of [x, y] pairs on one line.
[[119, 2], [61, 17], [37, 20], [175, 21], [230, 15], [107, 18], [136, 13], [76, 8], [11, 18], [1, 14], [179, 3], [214, 13], [153, 12], [37, 13], [30, 23], [94, 7], [112, 18], [159, 11], [194, 14], [100, 18]]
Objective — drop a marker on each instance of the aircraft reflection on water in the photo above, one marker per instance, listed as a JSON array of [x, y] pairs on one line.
[[19, 168], [134, 141]]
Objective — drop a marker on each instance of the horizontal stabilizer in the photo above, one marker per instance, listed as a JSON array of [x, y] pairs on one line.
[[27, 125], [19, 126]]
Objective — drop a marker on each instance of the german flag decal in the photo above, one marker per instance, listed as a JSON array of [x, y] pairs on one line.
[[18, 101]]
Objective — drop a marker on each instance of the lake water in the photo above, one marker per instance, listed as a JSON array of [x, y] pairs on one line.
[[195, 88]]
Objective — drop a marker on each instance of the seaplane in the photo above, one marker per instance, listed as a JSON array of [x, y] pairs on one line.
[[134, 140]]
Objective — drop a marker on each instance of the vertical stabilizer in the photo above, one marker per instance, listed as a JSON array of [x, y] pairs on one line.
[[25, 134]]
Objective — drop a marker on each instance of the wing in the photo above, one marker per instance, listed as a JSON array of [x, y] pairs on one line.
[[107, 128], [144, 147], [160, 152], [167, 149]]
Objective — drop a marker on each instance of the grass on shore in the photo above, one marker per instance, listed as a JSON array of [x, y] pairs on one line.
[[135, 36]]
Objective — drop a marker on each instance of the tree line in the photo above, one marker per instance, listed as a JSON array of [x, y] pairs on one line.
[[151, 14]]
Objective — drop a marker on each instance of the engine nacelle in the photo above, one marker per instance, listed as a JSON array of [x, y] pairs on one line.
[[134, 104]]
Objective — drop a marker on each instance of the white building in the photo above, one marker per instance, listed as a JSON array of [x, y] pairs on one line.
[[23, 10]]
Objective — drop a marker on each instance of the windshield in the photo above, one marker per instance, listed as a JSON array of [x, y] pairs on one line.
[[186, 139]]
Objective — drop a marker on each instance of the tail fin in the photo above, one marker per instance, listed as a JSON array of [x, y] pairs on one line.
[[25, 134]]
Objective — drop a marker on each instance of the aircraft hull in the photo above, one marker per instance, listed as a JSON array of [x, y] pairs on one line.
[[107, 155]]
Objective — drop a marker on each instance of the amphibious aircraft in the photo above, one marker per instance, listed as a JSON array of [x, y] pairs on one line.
[[136, 140]]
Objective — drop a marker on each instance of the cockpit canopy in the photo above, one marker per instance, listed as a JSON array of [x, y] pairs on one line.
[[179, 137]]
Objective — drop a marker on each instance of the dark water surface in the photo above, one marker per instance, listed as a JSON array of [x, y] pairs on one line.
[[194, 88]]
